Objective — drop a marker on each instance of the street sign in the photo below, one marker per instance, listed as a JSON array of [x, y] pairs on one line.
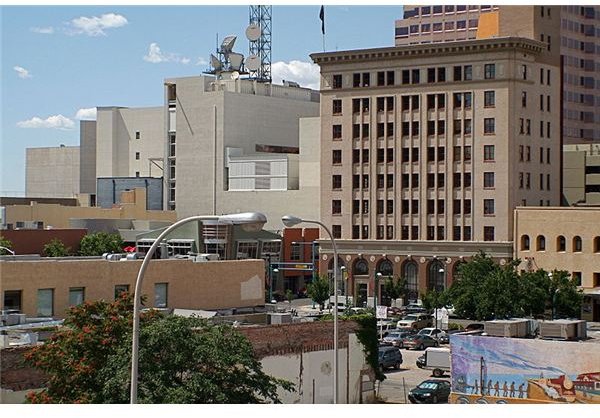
[[381, 312]]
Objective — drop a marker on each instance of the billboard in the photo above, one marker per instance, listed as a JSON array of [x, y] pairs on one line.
[[513, 370]]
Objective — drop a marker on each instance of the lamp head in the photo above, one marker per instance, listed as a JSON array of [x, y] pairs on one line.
[[290, 220]]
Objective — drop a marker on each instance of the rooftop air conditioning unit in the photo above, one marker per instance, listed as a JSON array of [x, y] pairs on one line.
[[113, 257], [564, 329], [279, 318], [507, 328]]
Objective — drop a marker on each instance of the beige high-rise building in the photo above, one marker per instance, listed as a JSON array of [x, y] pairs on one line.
[[436, 142], [581, 174], [52, 172], [574, 31]]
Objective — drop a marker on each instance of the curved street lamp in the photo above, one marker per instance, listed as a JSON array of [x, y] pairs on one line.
[[250, 221], [291, 221], [7, 249]]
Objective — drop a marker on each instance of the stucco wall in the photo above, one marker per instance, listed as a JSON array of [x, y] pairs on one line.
[[210, 285]]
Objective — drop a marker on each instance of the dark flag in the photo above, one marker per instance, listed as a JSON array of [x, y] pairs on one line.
[[322, 17]]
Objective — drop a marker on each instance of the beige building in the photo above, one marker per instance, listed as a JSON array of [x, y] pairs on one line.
[[52, 172], [581, 174], [132, 207], [436, 143], [48, 287], [564, 239]]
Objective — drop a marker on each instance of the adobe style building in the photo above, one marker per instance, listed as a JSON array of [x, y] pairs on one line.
[[427, 149], [563, 238]]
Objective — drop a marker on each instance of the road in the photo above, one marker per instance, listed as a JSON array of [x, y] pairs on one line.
[[392, 389]]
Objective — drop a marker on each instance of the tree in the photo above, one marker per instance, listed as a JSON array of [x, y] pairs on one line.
[[100, 243], [6, 244], [394, 289], [182, 360], [318, 290], [56, 248], [563, 295]]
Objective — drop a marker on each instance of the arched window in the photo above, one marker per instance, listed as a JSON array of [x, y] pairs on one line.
[[561, 243], [436, 276], [577, 245], [340, 265], [385, 267], [524, 242], [597, 244], [361, 267], [540, 244], [410, 271]]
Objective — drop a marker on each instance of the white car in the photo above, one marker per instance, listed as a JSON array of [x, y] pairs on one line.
[[435, 333]]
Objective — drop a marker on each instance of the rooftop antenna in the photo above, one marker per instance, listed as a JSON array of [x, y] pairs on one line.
[[259, 35]]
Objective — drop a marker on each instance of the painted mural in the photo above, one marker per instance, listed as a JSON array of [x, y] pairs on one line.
[[513, 370]]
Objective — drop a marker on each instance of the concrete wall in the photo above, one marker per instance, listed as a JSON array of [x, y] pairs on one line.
[[87, 156], [52, 172], [209, 286], [32, 241]]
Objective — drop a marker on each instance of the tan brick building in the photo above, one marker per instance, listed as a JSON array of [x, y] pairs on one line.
[[435, 143]]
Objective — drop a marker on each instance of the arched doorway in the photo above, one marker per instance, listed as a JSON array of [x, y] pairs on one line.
[[360, 274], [410, 272], [436, 276], [386, 268]]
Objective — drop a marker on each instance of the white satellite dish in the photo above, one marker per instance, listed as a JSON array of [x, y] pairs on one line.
[[252, 63], [227, 44], [235, 75], [253, 32], [214, 61], [235, 60]]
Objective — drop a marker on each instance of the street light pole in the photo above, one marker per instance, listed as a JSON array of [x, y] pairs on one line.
[[291, 221], [252, 221], [345, 280], [376, 290], [7, 249]]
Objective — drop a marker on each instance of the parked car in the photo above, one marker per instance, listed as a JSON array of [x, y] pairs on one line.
[[421, 361], [430, 391], [474, 327], [384, 327], [415, 321], [413, 308], [389, 356], [436, 334], [420, 342], [396, 338]]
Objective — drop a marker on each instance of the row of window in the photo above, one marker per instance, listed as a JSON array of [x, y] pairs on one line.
[[428, 10], [412, 232], [460, 153], [560, 244], [45, 307], [525, 181], [413, 76], [525, 154], [361, 207]]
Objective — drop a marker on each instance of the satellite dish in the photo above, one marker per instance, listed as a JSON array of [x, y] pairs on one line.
[[252, 63], [227, 44], [235, 75], [253, 32], [235, 60], [214, 61]]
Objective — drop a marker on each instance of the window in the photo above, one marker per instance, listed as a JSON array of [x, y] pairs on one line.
[[365, 179], [524, 242], [13, 299], [540, 244], [137, 134], [356, 80], [441, 127], [355, 207], [76, 296], [414, 180], [137, 155], [337, 107], [414, 208], [389, 206], [365, 130], [390, 181], [561, 243], [527, 153], [415, 76], [337, 131], [461, 24], [489, 98], [490, 71], [336, 182], [577, 277], [467, 206], [468, 126], [489, 126], [528, 126], [337, 81], [577, 244], [336, 156], [488, 179], [488, 233], [524, 71], [488, 153], [355, 232], [488, 206], [390, 78], [160, 295], [336, 230], [528, 180], [389, 155], [524, 99], [596, 245], [45, 302], [365, 232], [336, 207], [380, 78], [468, 72], [467, 153], [467, 97], [431, 75], [365, 155], [121, 288]]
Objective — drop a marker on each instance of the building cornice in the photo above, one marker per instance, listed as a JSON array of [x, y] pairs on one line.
[[421, 50]]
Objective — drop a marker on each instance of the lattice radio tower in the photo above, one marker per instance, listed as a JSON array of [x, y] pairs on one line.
[[259, 35]]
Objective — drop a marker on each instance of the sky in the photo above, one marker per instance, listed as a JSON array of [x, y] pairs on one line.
[[60, 62]]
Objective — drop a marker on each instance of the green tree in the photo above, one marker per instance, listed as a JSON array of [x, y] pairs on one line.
[[56, 248], [6, 244], [182, 360], [318, 290], [100, 243], [564, 297], [394, 289]]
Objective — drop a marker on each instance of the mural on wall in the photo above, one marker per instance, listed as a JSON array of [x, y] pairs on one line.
[[513, 370]]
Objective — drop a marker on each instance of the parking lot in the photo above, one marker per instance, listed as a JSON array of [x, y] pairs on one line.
[[395, 388]]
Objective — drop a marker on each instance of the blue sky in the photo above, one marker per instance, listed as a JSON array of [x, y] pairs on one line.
[[59, 62]]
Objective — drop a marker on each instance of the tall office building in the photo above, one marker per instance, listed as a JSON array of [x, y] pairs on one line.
[[427, 149], [575, 33]]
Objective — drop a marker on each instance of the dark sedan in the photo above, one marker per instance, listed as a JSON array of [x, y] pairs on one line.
[[420, 342], [430, 391]]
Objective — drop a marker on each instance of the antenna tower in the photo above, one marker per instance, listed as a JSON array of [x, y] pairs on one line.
[[261, 47]]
